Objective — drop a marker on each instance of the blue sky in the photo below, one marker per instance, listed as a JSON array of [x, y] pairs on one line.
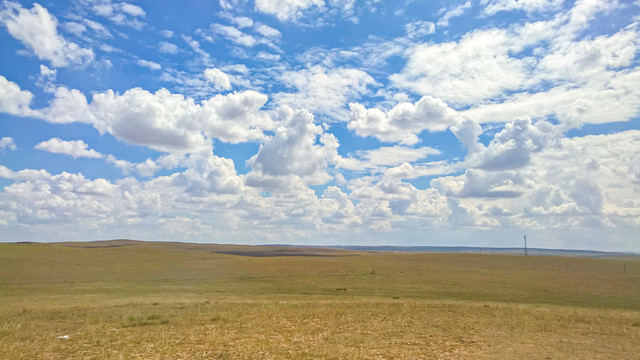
[[322, 122]]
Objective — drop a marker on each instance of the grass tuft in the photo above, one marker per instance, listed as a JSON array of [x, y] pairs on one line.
[[136, 321]]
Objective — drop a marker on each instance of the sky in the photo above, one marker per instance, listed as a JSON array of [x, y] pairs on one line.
[[326, 122]]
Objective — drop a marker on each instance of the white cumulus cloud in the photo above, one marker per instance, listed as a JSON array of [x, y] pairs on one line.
[[149, 64], [404, 122], [512, 147], [164, 121], [324, 91], [168, 48], [208, 174], [294, 150], [133, 10], [286, 10], [14, 100], [218, 78], [480, 63], [73, 148], [7, 142], [37, 29]]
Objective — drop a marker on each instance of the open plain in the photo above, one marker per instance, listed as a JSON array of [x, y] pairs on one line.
[[143, 300]]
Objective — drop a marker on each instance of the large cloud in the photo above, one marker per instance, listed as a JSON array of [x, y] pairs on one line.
[[490, 169], [104, 207], [404, 122], [390, 203], [581, 183], [235, 117], [594, 82], [527, 177], [37, 29], [324, 91], [208, 174], [479, 184], [164, 121], [294, 149], [67, 106], [512, 147], [611, 100], [476, 68], [550, 68], [335, 207], [59, 198], [575, 183], [594, 175]]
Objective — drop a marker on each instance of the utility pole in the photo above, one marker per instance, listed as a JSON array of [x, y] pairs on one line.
[[525, 245]]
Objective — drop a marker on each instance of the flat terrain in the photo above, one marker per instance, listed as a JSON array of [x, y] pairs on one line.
[[135, 300]]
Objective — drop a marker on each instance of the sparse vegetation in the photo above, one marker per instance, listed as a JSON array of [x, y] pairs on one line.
[[168, 301]]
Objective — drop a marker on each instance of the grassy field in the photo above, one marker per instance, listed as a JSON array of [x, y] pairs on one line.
[[132, 300]]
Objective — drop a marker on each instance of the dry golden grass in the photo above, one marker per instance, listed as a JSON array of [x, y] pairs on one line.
[[172, 301]]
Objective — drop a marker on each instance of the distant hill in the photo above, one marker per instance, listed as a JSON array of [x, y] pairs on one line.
[[321, 250], [480, 250]]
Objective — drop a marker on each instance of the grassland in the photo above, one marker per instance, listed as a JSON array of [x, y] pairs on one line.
[[132, 300]]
